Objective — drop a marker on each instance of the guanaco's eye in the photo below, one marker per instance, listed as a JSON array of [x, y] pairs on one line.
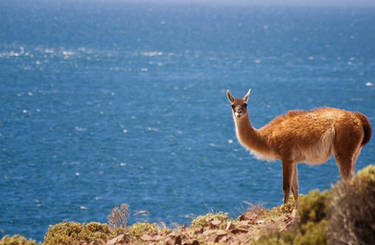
[[233, 107], [245, 105]]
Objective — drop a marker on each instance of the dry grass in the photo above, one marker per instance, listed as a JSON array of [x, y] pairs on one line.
[[118, 218]]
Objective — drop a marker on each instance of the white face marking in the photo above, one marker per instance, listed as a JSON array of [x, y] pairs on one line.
[[239, 109]]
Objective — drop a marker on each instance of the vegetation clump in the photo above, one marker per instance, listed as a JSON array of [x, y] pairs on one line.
[[309, 229], [284, 208], [69, 232], [344, 215], [210, 220], [314, 206], [139, 229], [17, 240], [352, 218], [119, 216]]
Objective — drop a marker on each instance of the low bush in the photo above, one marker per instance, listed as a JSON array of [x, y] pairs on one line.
[[314, 206], [139, 229], [311, 227], [352, 217], [69, 232], [17, 240], [219, 219]]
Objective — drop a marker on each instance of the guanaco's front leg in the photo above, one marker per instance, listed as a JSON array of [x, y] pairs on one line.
[[295, 185], [288, 172]]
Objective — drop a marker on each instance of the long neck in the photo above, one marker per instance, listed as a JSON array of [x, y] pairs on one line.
[[249, 137]]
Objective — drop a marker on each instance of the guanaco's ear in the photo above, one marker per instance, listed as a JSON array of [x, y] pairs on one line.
[[246, 97], [230, 97]]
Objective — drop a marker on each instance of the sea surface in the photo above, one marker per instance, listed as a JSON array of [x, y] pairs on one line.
[[110, 103]]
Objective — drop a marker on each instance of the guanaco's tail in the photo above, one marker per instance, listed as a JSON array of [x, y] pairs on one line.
[[366, 127]]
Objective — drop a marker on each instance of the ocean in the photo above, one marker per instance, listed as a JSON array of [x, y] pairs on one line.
[[120, 102]]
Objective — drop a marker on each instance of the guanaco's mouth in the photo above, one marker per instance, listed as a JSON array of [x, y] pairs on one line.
[[237, 114]]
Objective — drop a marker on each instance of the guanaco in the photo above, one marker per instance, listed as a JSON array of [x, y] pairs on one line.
[[303, 136]]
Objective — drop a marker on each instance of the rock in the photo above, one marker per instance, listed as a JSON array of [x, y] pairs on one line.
[[194, 242], [157, 238], [243, 238], [258, 222], [221, 232], [238, 230], [178, 240], [229, 226], [146, 237], [115, 240], [221, 239], [234, 243], [249, 216], [209, 232], [173, 240], [216, 222]]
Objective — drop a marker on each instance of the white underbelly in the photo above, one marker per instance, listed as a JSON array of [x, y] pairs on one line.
[[320, 151], [260, 156], [316, 159]]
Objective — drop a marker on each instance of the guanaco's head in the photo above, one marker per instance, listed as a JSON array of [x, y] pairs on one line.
[[239, 105]]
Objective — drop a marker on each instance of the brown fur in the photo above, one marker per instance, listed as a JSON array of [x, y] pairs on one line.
[[304, 136], [366, 127]]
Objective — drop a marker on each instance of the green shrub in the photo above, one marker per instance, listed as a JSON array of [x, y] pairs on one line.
[[352, 213], [16, 240], [71, 232], [274, 239], [311, 227], [288, 207], [313, 206], [210, 220], [308, 234], [138, 229], [312, 233]]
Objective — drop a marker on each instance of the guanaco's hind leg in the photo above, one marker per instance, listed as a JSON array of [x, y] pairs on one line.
[[347, 164], [346, 168], [288, 173], [347, 146], [346, 156]]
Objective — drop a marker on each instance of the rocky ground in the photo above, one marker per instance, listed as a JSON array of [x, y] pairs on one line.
[[216, 228]]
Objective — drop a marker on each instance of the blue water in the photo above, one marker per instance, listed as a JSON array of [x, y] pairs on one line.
[[103, 104]]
